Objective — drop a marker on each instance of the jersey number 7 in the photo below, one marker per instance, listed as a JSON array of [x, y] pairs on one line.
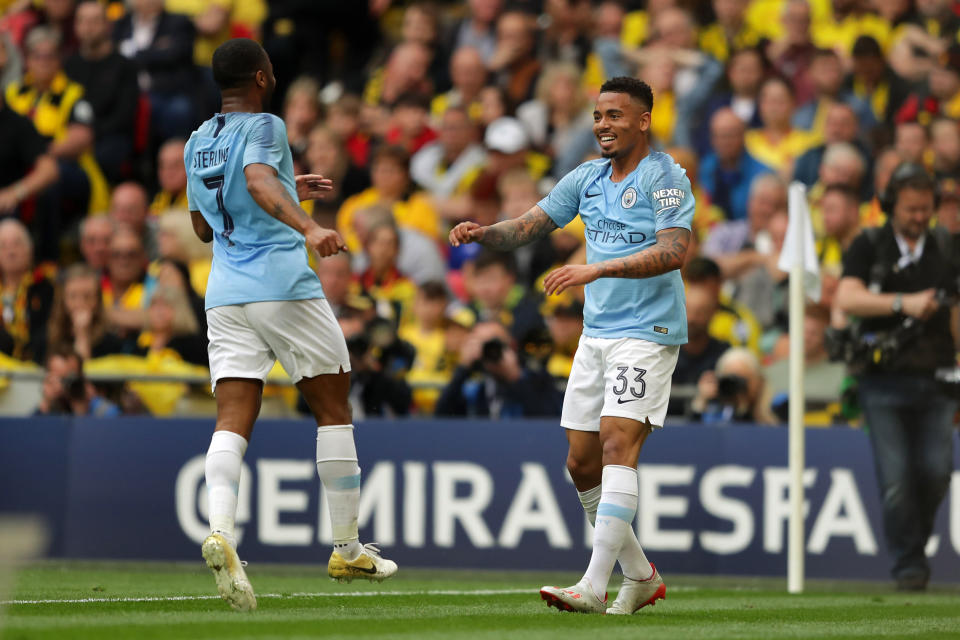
[[216, 183]]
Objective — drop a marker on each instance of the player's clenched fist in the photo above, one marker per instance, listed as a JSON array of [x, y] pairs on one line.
[[326, 242], [466, 232]]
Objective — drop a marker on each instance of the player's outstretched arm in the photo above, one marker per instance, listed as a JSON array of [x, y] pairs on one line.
[[200, 226], [267, 191], [506, 235], [665, 255]]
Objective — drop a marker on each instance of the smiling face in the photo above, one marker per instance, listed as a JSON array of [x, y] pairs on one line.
[[620, 122]]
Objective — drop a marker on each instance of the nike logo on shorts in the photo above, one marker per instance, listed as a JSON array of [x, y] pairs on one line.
[[622, 401]]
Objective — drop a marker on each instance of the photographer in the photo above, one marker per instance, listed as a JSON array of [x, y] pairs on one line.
[[895, 280], [491, 381], [735, 392], [67, 392], [379, 362]]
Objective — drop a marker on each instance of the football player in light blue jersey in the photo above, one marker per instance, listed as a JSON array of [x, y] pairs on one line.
[[637, 207], [264, 304]]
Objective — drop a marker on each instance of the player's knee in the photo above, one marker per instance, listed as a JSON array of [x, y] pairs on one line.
[[582, 467], [618, 450]]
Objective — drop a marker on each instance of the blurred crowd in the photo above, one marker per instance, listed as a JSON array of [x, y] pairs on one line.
[[425, 114]]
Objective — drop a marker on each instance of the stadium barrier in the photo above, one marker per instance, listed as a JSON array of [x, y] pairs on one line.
[[443, 493]]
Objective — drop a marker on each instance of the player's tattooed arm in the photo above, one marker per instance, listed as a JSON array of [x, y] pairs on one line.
[[506, 235], [667, 254], [267, 191], [200, 226]]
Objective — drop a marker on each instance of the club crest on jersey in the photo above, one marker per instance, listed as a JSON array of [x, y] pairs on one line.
[[629, 198]]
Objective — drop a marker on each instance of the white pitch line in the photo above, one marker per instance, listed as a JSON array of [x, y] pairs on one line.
[[337, 594]]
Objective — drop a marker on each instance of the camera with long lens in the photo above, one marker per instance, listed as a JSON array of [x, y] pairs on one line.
[[492, 351], [869, 349], [74, 388], [730, 386], [863, 350]]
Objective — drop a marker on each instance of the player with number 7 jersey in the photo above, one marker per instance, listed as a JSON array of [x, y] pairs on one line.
[[264, 304], [256, 257]]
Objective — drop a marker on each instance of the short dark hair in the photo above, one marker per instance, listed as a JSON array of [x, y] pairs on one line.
[[236, 62], [631, 86], [393, 153], [489, 258], [701, 269], [412, 99], [433, 290], [909, 175], [867, 46]]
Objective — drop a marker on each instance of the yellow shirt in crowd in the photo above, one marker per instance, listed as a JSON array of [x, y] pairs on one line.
[[415, 213], [432, 367], [778, 155], [50, 111]]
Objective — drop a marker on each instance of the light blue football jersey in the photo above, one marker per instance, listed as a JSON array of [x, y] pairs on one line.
[[623, 218], [256, 258]]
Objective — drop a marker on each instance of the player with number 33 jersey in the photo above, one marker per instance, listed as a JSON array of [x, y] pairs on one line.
[[636, 207]]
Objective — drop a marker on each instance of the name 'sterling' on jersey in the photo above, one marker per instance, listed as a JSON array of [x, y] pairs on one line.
[[668, 198], [204, 159]]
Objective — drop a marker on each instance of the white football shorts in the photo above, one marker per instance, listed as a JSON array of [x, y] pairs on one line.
[[625, 378], [246, 340]]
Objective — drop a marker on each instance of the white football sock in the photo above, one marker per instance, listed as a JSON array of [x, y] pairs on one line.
[[224, 460], [615, 515], [590, 499], [340, 474], [633, 562]]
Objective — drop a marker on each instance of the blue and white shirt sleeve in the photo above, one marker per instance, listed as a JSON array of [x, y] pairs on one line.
[[563, 202], [672, 199], [191, 201], [266, 142]]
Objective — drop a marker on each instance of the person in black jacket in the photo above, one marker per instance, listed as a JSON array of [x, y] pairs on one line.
[[161, 45], [110, 86], [26, 169], [26, 295], [897, 281]]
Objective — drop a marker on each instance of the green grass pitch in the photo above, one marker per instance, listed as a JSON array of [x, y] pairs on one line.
[[110, 601]]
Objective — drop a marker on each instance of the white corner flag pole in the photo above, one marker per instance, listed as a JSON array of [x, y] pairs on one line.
[[797, 300], [795, 541]]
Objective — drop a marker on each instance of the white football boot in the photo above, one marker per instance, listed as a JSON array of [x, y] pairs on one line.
[[232, 582], [369, 565], [580, 597], [636, 594]]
